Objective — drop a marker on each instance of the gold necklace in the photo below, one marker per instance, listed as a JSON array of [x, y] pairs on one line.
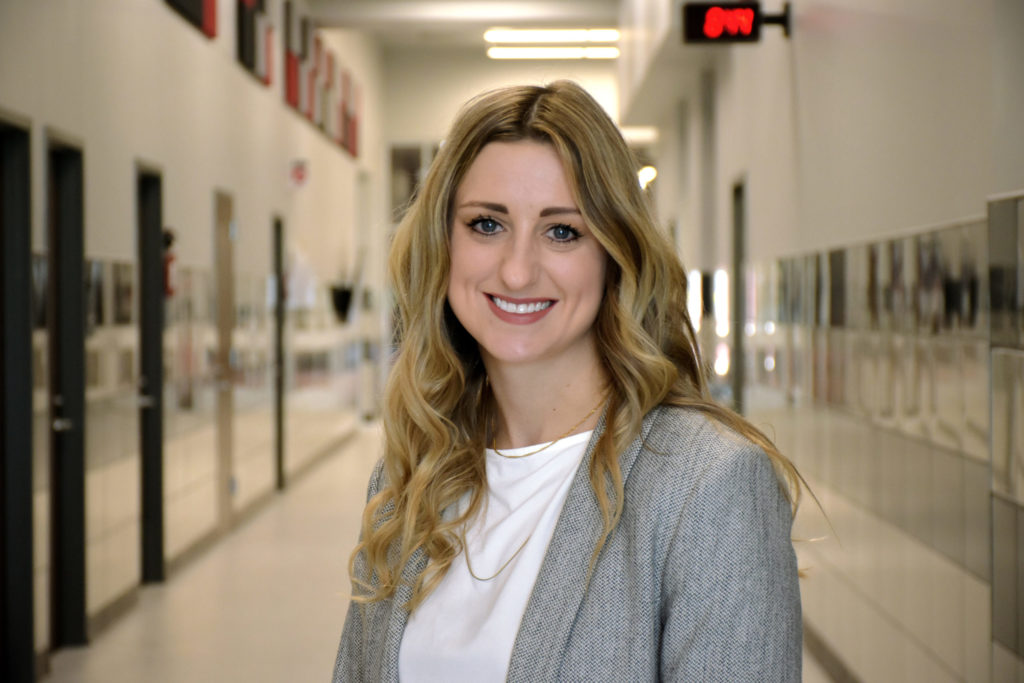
[[469, 566], [494, 440]]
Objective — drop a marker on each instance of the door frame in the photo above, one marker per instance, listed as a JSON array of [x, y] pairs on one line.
[[224, 286], [65, 223], [17, 607], [280, 294]]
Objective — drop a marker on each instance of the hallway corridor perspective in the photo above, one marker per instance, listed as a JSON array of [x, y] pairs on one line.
[[264, 605]]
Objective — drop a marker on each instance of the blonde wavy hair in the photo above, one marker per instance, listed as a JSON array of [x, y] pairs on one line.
[[437, 403]]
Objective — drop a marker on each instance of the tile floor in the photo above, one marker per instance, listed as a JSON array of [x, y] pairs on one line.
[[265, 605]]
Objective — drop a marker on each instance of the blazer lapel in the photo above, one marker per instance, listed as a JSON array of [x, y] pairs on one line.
[[559, 589]]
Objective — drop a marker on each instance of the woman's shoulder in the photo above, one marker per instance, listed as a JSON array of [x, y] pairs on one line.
[[694, 433], [683, 446]]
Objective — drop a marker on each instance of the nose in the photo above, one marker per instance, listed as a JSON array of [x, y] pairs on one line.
[[520, 261]]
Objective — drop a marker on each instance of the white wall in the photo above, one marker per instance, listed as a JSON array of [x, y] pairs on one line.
[[130, 81], [875, 118], [425, 89]]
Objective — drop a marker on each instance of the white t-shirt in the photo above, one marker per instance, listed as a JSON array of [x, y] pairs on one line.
[[465, 629]]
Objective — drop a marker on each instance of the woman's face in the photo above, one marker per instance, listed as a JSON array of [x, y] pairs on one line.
[[527, 275]]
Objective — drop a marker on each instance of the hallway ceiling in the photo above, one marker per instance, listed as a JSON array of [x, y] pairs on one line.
[[453, 23]]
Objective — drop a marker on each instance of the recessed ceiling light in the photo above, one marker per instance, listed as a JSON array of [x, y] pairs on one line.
[[553, 52], [581, 35]]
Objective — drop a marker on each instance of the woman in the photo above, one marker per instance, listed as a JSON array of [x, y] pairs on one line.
[[559, 499]]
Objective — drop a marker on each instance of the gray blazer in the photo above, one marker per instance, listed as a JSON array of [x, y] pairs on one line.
[[697, 583]]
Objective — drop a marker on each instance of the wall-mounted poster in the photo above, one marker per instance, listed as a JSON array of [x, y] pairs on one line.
[[123, 293], [897, 284], [821, 286], [973, 266], [948, 248], [837, 288], [40, 287], [885, 285], [200, 13], [93, 296], [874, 287], [929, 283]]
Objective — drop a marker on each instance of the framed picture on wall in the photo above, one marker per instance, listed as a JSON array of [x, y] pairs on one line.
[[973, 266], [40, 286], [123, 293], [94, 294], [874, 286], [929, 284], [200, 13]]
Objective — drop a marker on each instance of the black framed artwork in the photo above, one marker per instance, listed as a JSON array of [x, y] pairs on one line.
[[94, 294], [40, 286], [123, 284]]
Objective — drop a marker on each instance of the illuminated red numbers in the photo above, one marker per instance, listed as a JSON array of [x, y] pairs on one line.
[[734, 21], [722, 22]]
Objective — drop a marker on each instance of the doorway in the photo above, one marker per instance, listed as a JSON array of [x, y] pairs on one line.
[[65, 324], [17, 611], [152, 289], [224, 360]]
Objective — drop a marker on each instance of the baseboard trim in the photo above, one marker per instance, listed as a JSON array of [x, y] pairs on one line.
[[192, 551], [113, 611]]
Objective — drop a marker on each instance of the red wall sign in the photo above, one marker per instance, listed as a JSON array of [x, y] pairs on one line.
[[735, 22], [706, 22]]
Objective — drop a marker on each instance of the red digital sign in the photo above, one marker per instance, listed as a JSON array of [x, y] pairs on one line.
[[721, 22], [728, 22]]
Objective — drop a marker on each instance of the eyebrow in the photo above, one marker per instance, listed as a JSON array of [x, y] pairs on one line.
[[501, 208]]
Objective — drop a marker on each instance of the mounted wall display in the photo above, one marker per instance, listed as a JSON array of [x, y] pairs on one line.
[[123, 293], [94, 313], [930, 295], [316, 85], [40, 287], [728, 22], [292, 56], [200, 13], [255, 36]]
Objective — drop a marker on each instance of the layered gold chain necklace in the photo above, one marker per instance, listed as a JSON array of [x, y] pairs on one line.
[[465, 544]]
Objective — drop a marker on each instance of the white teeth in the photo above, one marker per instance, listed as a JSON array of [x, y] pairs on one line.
[[510, 307]]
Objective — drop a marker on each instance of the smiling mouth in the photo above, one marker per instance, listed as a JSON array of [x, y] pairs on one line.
[[532, 307]]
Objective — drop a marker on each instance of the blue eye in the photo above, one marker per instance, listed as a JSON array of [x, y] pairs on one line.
[[485, 225], [563, 233]]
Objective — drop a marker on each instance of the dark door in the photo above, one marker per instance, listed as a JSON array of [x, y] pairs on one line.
[[739, 293], [279, 304], [150, 241], [66, 331], [17, 615]]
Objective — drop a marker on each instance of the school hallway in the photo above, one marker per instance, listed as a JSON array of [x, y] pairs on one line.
[[264, 605]]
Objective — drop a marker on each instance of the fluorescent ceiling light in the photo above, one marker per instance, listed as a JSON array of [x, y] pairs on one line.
[[553, 52], [639, 135], [582, 35]]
